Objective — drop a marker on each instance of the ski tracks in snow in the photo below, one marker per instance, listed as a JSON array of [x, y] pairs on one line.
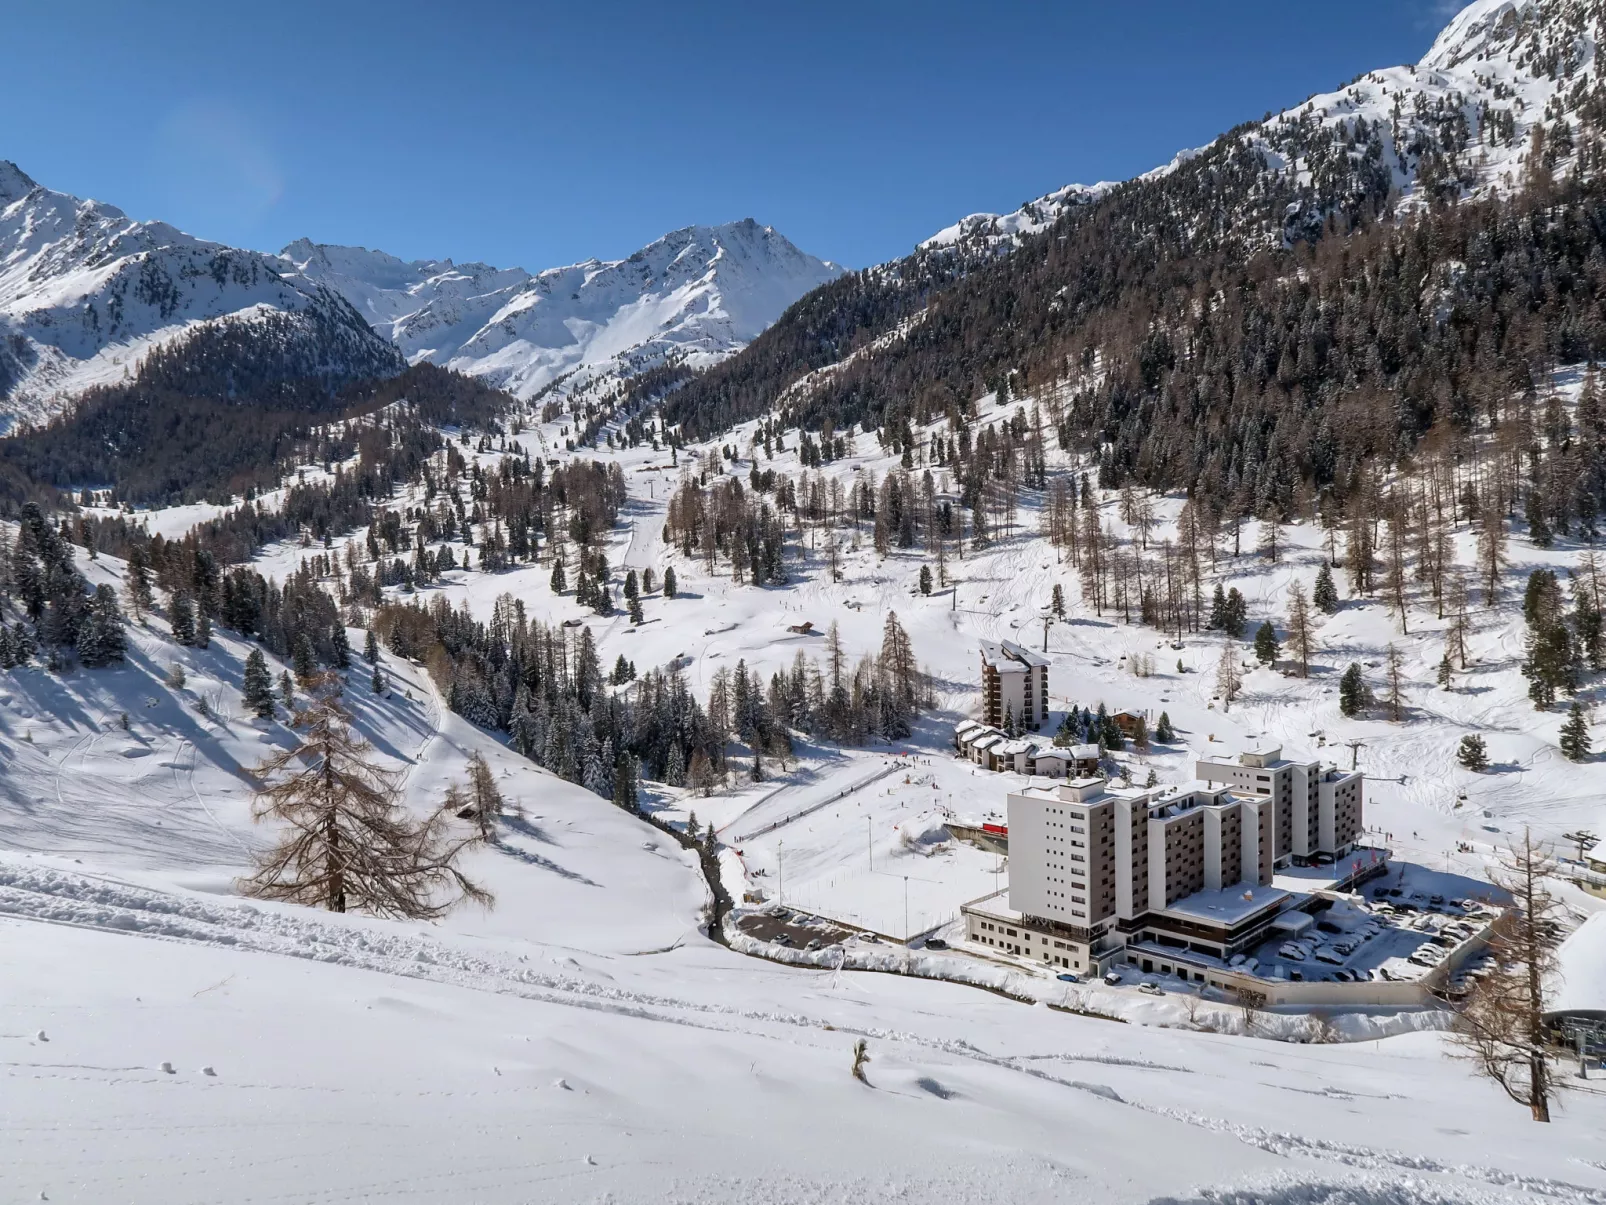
[[53, 896]]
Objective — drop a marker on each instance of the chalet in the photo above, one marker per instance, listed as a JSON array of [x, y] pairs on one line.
[[1131, 723], [1085, 761]]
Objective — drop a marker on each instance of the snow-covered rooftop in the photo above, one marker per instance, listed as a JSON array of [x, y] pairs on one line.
[[1582, 977], [1228, 906]]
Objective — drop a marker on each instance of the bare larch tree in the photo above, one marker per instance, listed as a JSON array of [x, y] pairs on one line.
[[349, 844], [1501, 1025]]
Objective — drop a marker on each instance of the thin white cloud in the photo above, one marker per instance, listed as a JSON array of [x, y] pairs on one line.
[[220, 161]]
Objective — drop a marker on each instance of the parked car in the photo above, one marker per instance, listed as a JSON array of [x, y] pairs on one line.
[[1292, 952], [936, 943], [871, 938], [1112, 978], [783, 939], [1068, 977], [1329, 954], [1237, 960], [1150, 988], [814, 944]]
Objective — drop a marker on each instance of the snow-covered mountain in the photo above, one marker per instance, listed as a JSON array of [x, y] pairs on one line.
[[697, 295], [86, 291], [1458, 124]]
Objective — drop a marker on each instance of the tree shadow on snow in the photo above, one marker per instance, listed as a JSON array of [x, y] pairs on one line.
[[535, 859]]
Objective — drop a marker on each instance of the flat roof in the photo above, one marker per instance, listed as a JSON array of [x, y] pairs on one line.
[[1228, 905], [1315, 878]]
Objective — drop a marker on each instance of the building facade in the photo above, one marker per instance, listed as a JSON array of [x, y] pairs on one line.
[[1316, 813], [1094, 870], [1014, 685]]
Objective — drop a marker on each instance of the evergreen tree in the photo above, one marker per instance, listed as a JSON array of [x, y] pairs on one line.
[[370, 647], [560, 581], [632, 588], [1472, 754], [287, 691], [138, 581], [669, 582], [1057, 601], [1353, 695], [181, 619], [637, 616], [256, 685], [1163, 732], [1234, 613], [1218, 609], [101, 639], [304, 660], [1446, 670], [925, 579], [203, 631], [1575, 735], [1266, 646], [340, 646], [376, 680], [625, 793], [1325, 593]]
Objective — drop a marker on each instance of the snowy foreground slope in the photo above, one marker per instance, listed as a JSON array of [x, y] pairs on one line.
[[696, 295]]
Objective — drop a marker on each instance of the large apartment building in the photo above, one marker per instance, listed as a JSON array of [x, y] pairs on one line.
[[1014, 685], [1092, 870], [1317, 812]]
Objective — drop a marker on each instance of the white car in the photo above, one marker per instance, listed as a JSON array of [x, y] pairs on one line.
[[1293, 953]]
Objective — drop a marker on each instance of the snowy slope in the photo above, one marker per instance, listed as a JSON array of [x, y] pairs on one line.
[[85, 291], [697, 295], [164, 1041]]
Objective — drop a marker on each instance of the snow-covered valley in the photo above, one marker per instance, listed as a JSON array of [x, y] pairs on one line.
[[716, 664], [585, 1039]]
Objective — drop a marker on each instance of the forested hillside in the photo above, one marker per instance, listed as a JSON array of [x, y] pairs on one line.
[[1308, 294]]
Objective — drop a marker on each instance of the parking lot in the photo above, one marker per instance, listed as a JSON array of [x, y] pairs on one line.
[[1391, 932], [788, 927]]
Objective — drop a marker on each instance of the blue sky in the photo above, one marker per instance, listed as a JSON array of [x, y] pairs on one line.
[[537, 134]]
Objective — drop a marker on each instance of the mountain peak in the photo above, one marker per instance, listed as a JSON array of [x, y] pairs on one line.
[[14, 182]]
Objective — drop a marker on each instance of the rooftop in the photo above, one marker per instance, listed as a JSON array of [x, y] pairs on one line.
[[998, 652], [1228, 906], [1319, 878], [1582, 969]]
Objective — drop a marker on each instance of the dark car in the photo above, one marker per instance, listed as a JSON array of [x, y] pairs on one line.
[[936, 943]]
